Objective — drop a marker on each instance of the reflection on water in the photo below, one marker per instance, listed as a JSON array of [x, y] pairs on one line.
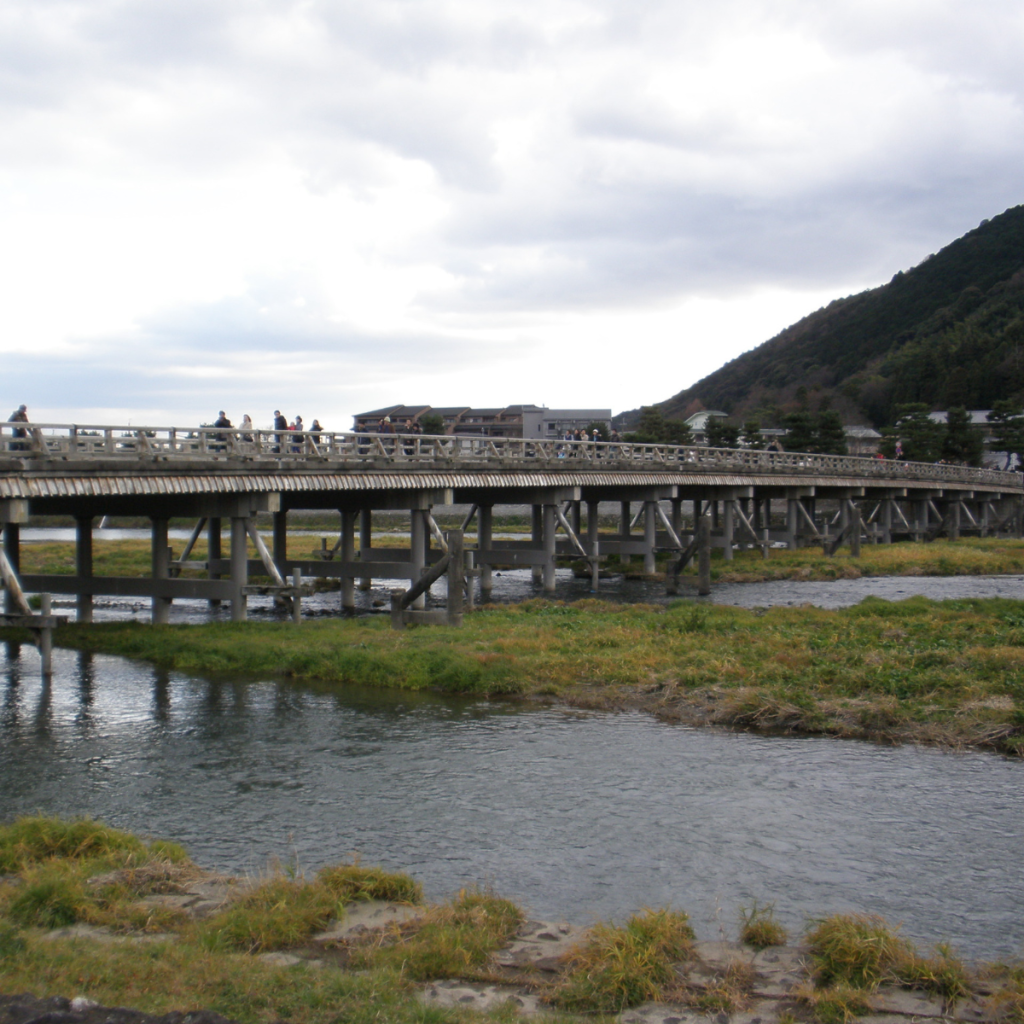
[[579, 816]]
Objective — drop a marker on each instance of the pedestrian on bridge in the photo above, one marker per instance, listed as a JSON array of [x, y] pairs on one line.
[[280, 424], [20, 415]]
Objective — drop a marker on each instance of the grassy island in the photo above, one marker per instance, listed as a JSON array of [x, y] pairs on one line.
[[949, 672]]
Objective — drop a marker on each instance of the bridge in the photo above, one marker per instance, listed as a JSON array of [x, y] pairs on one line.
[[223, 478]]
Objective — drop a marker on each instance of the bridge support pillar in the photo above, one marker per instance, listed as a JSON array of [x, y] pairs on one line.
[[214, 552], [650, 535], [920, 519], [549, 548], [418, 551], [161, 606], [537, 538], [624, 522], [792, 522], [887, 520], [593, 543], [12, 549], [484, 529], [348, 554], [677, 516], [728, 526], [83, 564], [365, 541], [280, 539], [576, 517], [953, 529], [239, 568]]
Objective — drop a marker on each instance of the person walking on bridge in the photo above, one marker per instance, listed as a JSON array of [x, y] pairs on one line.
[[280, 424], [20, 415]]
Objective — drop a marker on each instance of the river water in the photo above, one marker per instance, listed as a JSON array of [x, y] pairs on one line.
[[577, 816]]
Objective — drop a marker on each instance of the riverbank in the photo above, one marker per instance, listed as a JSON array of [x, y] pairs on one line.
[[99, 916], [948, 673]]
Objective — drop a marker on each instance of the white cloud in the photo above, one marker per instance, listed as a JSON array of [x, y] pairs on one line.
[[215, 203]]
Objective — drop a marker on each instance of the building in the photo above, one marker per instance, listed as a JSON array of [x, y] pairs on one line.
[[698, 423], [862, 440], [510, 421]]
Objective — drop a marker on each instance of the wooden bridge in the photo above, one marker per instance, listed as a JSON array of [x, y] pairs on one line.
[[224, 478]]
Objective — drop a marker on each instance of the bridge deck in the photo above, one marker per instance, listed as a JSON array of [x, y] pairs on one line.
[[61, 461]]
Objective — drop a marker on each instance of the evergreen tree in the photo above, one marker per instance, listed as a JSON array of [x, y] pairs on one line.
[[830, 435], [432, 423], [921, 436], [1007, 419], [678, 432], [651, 426], [800, 432], [721, 434], [963, 442], [752, 437]]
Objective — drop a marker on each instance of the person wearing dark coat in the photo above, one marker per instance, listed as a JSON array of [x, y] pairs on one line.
[[280, 425], [20, 415]]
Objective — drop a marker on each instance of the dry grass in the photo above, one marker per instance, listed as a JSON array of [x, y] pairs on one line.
[[622, 967], [759, 927]]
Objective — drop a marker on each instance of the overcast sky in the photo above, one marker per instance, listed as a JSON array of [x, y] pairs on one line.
[[327, 206]]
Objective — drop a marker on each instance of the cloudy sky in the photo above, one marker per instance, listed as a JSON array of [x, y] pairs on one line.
[[328, 206]]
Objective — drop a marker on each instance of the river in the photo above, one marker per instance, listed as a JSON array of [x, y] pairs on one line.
[[577, 816]]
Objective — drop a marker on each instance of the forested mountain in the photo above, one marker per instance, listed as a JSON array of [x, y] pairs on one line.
[[949, 332]]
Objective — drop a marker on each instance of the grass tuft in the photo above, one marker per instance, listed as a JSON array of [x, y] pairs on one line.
[[51, 897], [454, 939], [857, 950], [759, 928], [279, 913], [32, 840], [623, 967], [837, 1004], [352, 882]]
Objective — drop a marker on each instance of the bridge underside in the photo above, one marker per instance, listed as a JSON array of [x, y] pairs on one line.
[[656, 511]]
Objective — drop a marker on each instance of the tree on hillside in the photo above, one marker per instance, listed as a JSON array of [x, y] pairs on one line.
[[920, 437], [1007, 419], [678, 432], [800, 432], [963, 442], [721, 434], [653, 428], [830, 434], [752, 436], [650, 428]]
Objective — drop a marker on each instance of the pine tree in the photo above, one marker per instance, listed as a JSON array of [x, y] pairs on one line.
[[800, 432], [1007, 419], [830, 435], [752, 436], [963, 442]]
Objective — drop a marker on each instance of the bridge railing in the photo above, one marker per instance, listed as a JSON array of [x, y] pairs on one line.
[[36, 442]]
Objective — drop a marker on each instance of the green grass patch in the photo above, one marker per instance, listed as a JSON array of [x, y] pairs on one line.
[[622, 967], [760, 928], [353, 882], [452, 940], [938, 671], [33, 840]]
